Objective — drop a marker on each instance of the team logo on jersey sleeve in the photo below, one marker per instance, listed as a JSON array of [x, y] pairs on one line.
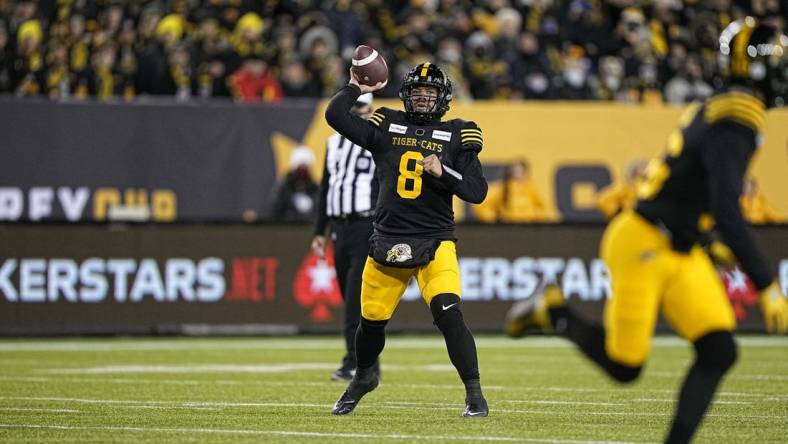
[[399, 253], [399, 129], [441, 135]]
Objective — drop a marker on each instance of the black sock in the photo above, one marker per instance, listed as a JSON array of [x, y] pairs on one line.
[[715, 354], [590, 338], [459, 340], [370, 339]]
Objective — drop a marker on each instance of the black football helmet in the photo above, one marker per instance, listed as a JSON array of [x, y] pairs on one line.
[[426, 74], [753, 55]]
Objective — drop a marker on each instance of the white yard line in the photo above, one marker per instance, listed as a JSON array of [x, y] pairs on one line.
[[716, 401], [755, 377], [409, 405], [224, 368], [427, 342], [545, 401], [305, 434], [194, 368], [24, 409]]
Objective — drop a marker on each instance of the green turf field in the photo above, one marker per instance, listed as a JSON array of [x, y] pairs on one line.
[[277, 390]]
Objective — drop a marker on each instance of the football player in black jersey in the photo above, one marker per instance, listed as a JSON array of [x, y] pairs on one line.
[[422, 162], [654, 255]]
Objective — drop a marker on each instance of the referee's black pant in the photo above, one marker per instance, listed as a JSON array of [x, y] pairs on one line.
[[351, 247]]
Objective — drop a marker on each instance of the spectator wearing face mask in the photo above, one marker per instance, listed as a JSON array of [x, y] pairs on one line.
[[532, 68], [688, 85], [574, 77], [611, 80], [296, 198]]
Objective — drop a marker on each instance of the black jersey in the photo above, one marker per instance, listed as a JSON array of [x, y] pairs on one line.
[[696, 186], [412, 204]]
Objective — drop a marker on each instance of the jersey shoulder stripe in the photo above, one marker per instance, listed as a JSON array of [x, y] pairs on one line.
[[376, 118], [739, 107], [471, 134]]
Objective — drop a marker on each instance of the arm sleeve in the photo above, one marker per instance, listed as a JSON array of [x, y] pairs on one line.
[[466, 180], [321, 221], [725, 156], [339, 117]]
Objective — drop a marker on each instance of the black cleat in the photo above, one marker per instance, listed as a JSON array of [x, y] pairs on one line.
[[475, 404], [476, 408], [363, 382]]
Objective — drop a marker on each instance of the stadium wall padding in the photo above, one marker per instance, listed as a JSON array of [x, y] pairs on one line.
[[237, 279], [219, 161]]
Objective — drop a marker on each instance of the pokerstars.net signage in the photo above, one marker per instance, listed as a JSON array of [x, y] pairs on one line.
[[149, 279]]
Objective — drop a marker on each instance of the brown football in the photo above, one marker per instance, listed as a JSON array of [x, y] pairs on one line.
[[369, 67]]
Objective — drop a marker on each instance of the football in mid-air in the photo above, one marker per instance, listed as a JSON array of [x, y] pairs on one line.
[[369, 67]]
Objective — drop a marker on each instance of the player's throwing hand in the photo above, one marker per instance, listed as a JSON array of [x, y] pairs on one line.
[[364, 88], [432, 165]]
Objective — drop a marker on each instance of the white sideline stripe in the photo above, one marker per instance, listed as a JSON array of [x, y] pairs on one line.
[[544, 401], [122, 345], [413, 405], [716, 401], [148, 381], [305, 434], [555, 413], [24, 409], [222, 368], [756, 377], [366, 60], [197, 368], [161, 407], [760, 396], [185, 404]]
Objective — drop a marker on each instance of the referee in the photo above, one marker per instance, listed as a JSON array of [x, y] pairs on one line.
[[346, 202]]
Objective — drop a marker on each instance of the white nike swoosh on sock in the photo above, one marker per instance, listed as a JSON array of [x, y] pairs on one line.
[[446, 307]]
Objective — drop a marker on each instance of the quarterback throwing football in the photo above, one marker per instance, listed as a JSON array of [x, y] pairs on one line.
[[422, 162]]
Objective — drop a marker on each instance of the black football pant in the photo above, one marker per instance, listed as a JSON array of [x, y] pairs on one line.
[[351, 248]]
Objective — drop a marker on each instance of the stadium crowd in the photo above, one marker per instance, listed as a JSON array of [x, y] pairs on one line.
[[252, 50]]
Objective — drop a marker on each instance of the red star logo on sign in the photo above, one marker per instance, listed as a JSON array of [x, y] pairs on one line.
[[315, 286], [741, 291]]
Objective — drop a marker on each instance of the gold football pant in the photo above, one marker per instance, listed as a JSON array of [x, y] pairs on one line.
[[382, 287], [647, 277]]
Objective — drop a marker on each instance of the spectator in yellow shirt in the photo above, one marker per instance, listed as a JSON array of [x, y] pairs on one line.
[[622, 195], [754, 207], [515, 199]]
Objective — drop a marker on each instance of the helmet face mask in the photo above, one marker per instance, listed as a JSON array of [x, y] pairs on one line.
[[755, 56], [426, 93]]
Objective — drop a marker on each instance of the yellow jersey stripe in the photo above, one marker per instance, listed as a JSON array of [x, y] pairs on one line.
[[470, 131], [472, 139], [741, 107], [740, 64]]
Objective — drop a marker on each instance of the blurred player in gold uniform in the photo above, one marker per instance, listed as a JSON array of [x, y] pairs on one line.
[[653, 253]]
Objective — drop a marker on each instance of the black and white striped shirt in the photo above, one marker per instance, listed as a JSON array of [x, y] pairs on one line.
[[349, 187]]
